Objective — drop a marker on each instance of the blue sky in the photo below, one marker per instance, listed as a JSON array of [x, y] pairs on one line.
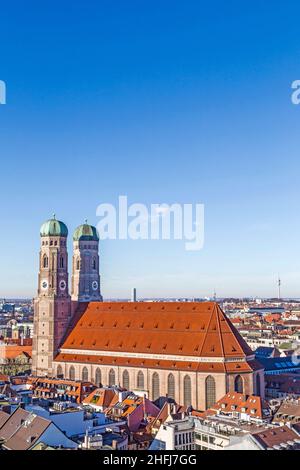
[[164, 102]]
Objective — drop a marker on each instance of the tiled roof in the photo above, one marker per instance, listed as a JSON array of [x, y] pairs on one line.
[[13, 423], [230, 367], [11, 351], [251, 405], [276, 436], [167, 328], [288, 411], [3, 418], [4, 378], [22, 430], [101, 397]]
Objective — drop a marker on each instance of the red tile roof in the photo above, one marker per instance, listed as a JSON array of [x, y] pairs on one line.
[[230, 367], [12, 351], [167, 328], [251, 405], [276, 436], [101, 397]]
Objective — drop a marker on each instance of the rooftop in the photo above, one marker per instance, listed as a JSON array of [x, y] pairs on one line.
[[166, 329]]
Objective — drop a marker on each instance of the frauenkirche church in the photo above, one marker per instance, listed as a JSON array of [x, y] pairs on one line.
[[189, 351]]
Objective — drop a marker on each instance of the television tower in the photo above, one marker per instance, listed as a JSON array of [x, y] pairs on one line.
[[279, 287]]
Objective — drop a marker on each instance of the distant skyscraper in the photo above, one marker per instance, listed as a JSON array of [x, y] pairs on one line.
[[133, 295]]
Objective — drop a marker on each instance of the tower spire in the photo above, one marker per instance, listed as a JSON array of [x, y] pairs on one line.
[[52, 305]]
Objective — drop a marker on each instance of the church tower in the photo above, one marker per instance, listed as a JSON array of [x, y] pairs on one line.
[[85, 274], [52, 306]]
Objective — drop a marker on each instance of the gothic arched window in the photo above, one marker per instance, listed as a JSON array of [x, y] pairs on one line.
[[171, 386], [45, 262], [78, 264], [111, 378], [85, 374], [210, 391], [258, 385], [94, 264], [238, 384], [72, 373], [61, 262], [59, 372], [98, 377], [155, 386], [140, 380], [126, 379], [187, 391]]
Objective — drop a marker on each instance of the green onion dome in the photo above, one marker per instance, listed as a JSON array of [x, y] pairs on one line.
[[86, 232], [54, 228]]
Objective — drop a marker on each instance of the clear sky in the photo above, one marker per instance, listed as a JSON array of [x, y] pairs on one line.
[[163, 101]]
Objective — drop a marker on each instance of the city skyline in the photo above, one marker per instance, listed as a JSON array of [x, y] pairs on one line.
[[112, 100]]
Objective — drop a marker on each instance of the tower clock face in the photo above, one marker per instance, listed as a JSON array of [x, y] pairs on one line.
[[44, 285], [62, 285], [95, 285]]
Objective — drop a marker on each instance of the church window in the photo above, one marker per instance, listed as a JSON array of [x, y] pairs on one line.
[[78, 265], [187, 391], [111, 378], [61, 262], [59, 372], [171, 386], [85, 375], [45, 262], [126, 379], [98, 377], [210, 391], [140, 380], [258, 385], [238, 384], [94, 263], [72, 373], [155, 386]]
